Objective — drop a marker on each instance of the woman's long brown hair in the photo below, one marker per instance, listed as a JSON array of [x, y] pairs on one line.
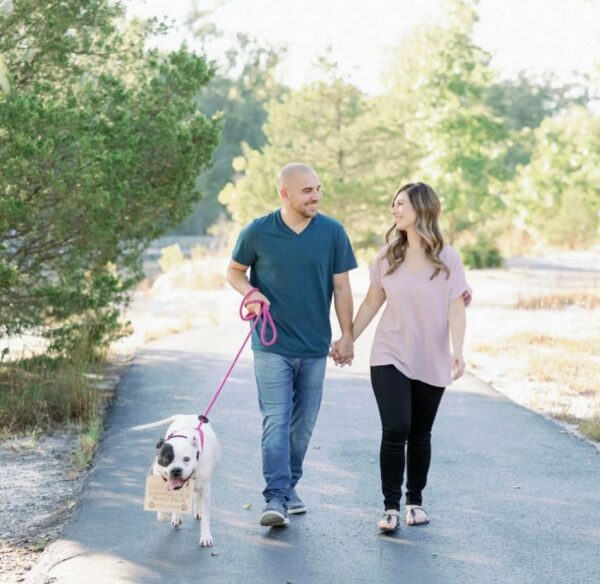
[[427, 206]]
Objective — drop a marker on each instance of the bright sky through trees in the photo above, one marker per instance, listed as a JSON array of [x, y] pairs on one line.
[[537, 35]]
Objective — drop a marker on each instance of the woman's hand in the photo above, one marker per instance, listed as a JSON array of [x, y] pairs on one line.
[[342, 351], [458, 366]]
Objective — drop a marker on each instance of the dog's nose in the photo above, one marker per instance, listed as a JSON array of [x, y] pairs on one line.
[[176, 472]]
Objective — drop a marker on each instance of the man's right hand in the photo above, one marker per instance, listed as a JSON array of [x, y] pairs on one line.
[[342, 352], [255, 307]]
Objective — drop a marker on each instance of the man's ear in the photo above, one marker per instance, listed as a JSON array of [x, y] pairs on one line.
[[160, 443], [283, 194]]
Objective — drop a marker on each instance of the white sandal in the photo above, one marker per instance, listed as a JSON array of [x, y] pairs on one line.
[[390, 520], [415, 515]]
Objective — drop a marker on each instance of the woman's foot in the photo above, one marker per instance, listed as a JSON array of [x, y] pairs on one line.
[[415, 515], [390, 520]]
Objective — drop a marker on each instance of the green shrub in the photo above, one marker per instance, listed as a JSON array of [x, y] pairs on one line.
[[481, 254]]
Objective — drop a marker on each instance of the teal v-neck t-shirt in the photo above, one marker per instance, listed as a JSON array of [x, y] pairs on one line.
[[295, 272]]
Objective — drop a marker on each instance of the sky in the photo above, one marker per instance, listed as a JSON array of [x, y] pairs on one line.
[[559, 36]]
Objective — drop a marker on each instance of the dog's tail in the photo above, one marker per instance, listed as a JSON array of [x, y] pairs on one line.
[[157, 424]]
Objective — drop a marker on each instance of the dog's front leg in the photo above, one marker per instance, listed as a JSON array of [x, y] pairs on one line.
[[198, 504], [206, 539], [176, 520]]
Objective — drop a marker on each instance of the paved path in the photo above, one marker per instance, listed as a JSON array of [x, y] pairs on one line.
[[512, 497]]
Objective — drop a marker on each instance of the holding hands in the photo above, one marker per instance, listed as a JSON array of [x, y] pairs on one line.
[[342, 351]]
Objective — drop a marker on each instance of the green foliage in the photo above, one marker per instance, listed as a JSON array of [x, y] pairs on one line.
[[438, 128], [43, 391], [557, 195], [332, 126], [460, 139], [483, 253], [524, 104], [238, 94], [100, 145]]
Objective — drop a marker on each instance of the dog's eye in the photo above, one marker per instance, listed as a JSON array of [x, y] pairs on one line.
[[186, 459]]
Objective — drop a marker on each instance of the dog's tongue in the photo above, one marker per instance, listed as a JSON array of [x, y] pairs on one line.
[[174, 484]]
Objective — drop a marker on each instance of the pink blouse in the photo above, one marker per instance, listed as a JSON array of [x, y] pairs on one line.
[[413, 332]]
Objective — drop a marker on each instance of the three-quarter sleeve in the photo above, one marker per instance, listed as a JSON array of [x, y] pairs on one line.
[[458, 282], [377, 270]]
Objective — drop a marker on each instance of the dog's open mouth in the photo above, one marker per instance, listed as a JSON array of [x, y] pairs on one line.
[[175, 484]]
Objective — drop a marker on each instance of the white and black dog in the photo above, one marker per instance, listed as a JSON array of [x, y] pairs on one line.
[[189, 450]]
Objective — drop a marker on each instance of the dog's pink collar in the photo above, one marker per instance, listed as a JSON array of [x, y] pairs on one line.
[[200, 434]]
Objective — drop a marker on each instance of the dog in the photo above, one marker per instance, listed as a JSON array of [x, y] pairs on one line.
[[188, 450]]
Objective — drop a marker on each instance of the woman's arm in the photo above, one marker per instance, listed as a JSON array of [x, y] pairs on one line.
[[457, 321], [367, 311]]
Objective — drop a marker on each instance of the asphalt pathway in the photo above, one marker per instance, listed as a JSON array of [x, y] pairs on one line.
[[512, 497]]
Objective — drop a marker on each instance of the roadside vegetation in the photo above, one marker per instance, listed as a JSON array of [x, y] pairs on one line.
[[106, 144], [564, 370]]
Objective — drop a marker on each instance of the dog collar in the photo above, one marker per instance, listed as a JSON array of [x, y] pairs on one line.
[[200, 434]]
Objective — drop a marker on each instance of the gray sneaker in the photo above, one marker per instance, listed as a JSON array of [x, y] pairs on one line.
[[275, 514], [295, 504]]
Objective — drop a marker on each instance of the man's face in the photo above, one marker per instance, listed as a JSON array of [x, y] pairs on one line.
[[302, 193]]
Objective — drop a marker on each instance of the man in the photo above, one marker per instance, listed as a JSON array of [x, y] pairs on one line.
[[298, 259]]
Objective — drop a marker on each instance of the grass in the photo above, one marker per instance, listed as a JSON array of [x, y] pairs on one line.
[[570, 364], [185, 324], [591, 427], [585, 298], [42, 393]]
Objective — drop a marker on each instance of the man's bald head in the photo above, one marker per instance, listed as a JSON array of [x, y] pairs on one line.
[[289, 171], [299, 190]]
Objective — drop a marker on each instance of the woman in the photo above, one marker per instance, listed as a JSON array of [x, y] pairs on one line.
[[424, 284]]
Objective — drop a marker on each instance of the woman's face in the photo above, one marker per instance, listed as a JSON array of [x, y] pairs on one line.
[[403, 212]]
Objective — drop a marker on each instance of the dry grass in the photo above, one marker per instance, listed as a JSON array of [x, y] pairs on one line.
[[586, 298], [571, 364], [155, 334], [42, 392], [591, 427], [579, 371], [532, 341]]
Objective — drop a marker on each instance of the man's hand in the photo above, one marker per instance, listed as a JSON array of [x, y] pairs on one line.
[[342, 351], [255, 300], [458, 366]]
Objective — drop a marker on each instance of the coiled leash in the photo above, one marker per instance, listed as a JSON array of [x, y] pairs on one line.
[[267, 321]]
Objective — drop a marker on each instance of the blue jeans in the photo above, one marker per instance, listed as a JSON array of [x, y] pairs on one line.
[[289, 397]]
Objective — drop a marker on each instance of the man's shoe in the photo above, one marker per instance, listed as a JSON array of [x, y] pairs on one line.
[[275, 514], [295, 504]]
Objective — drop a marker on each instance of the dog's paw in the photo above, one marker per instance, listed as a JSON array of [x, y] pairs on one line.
[[198, 515], [176, 521], [206, 539], [163, 517]]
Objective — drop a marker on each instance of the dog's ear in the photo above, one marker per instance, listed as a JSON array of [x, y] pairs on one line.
[[160, 443]]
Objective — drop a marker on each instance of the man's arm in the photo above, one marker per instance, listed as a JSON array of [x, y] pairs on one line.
[[344, 309], [237, 277]]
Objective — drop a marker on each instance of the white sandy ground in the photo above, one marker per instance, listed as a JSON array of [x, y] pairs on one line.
[[39, 488]]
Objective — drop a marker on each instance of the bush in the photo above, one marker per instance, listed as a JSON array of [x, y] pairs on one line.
[[481, 254], [170, 257], [101, 144]]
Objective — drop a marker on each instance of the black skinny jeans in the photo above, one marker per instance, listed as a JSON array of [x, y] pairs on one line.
[[407, 409]]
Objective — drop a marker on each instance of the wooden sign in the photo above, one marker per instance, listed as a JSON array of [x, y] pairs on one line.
[[157, 498]]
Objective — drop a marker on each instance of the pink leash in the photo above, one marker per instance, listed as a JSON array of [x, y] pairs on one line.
[[267, 320]]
